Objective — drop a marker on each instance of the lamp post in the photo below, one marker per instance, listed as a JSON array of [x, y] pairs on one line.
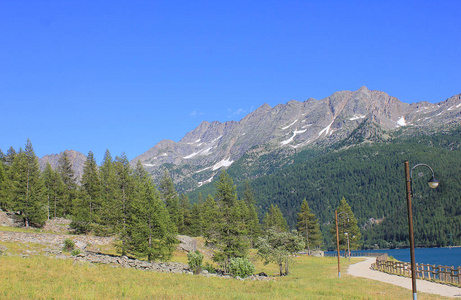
[[337, 238], [348, 248], [433, 183]]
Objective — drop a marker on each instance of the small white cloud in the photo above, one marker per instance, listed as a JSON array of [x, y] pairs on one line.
[[196, 113], [238, 112]]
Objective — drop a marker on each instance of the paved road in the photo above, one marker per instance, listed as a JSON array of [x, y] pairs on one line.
[[362, 269]]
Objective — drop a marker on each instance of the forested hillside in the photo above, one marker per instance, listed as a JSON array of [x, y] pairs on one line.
[[371, 178]]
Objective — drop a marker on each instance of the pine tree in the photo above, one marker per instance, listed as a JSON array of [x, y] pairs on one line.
[[274, 219], [254, 228], [88, 207], [27, 187], [48, 179], [347, 223], [4, 189], [252, 220], [109, 192], [308, 227], [70, 183], [231, 227], [122, 207], [185, 215], [211, 215], [149, 232], [197, 219], [170, 198], [10, 155]]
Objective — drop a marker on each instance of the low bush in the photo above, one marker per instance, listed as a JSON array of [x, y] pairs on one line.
[[195, 261], [241, 267], [210, 268], [75, 252], [69, 245]]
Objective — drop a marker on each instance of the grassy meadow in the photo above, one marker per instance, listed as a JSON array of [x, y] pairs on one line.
[[41, 277]]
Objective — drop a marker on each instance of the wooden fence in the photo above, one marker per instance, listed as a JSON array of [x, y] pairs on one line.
[[354, 254], [441, 274]]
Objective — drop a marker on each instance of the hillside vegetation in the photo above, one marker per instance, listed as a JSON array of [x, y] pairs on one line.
[[371, 178]]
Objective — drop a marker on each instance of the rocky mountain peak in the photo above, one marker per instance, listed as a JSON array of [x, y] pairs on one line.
[[342, 116], [76, 158]]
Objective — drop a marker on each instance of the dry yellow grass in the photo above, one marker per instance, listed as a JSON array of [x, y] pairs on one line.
[[40, 277]]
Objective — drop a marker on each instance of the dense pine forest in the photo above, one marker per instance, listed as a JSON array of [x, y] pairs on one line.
[[367, 181], [371, 178], [114, 199]]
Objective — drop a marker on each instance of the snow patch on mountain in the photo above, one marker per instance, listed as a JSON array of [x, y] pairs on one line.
[[326, 130], [401, 121], [223, 163], [288, 126], [356, 117]]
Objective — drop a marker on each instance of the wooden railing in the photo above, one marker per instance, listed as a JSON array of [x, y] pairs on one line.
[[441, 274], [354, 254]]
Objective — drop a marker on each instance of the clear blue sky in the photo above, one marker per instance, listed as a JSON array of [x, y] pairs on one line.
[[123, 75]]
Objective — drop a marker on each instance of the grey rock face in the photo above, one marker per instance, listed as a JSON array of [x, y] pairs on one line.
[[292, 126]]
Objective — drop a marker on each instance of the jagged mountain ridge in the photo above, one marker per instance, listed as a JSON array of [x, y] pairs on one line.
[[76, 158], [199, 156]]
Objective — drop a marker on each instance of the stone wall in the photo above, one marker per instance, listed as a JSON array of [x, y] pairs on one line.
[[50, 239]]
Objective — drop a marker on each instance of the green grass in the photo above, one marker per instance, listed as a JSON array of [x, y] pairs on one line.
[[39, 277]]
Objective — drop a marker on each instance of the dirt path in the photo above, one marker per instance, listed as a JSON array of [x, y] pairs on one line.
[[362, 269]]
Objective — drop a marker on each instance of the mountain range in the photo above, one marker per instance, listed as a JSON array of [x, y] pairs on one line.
[[344, 118]]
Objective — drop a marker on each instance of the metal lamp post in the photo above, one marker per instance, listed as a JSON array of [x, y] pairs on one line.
[[337, 238], [348, 248], [433, 183]]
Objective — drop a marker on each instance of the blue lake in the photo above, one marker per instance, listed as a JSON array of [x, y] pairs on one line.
[[434, 256]]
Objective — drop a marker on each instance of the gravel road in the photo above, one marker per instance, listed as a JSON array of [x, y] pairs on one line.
[[362, 269]]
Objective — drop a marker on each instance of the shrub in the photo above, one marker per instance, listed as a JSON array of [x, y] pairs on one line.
[[195, 260], [241, 267], [210, 268], [69, 245], [75, 252]]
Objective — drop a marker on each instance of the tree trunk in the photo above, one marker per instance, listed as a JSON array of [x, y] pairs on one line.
[[286, 267]]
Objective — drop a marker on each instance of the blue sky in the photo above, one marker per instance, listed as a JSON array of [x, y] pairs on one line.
[[123, 75]]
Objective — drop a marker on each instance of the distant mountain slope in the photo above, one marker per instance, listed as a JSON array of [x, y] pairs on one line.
[[76, 158], [345, 117]]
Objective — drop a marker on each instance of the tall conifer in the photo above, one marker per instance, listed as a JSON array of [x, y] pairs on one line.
[[308, 227], [28, 187]]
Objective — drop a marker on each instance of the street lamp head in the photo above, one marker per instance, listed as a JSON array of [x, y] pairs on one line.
[[433, 183]]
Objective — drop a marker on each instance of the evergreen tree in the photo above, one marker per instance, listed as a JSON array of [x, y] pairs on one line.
[[211, 215], [88, 207], [185, 215], [10, 155], [48, 179], [274, 219], [308, 227], [231, 227], [70, 183], [197, 219], [248, 194], [27, 187], [254, 229], [347, 223], [251, 219], [149, 232], [170, 198], [122, 203], [109, 192], [4, 189]]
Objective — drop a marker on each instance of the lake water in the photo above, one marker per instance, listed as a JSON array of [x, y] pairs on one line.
[[433, 256]]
